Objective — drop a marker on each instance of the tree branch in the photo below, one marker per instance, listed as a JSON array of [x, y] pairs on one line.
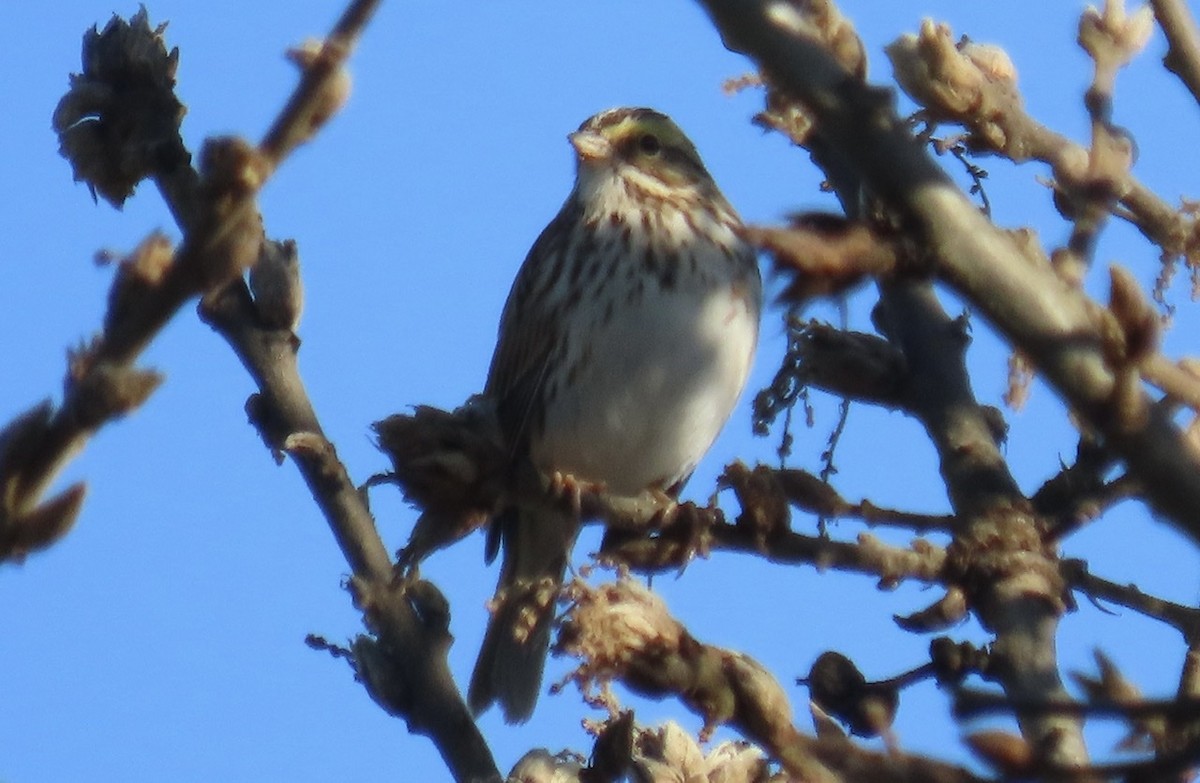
[[997, 557], [129, 68], [929, 66], [1184, 619], [623, 631], [404, 665], [1058, 328], [1183, 40]]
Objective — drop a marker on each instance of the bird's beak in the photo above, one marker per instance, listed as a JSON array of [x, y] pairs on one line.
[[590, 146]]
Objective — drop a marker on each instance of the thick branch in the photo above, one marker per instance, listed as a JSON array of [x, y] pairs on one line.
[[1008, 575], [1053, 325]]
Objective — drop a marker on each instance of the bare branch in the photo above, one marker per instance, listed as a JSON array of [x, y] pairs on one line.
[[324, 86], [404, 666], [1007, 574], [151, 285], [812, 494], [623, 631], [1020, 761], [953, 87], [1183, 56], [1055, 326], [1184, 619]]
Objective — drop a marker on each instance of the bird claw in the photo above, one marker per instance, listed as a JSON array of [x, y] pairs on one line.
[[690, 525], [565, 488], [676, 536]]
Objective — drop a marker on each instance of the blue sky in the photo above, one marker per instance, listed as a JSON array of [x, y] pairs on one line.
[[162, 639]]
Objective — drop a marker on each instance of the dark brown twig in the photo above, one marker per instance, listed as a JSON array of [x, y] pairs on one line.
[[1184, 619]]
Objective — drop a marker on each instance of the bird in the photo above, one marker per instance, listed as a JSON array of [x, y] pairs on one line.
[[623, 347]]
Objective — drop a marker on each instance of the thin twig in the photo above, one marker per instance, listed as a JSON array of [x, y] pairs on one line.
[[295, 123], [1184, 619]]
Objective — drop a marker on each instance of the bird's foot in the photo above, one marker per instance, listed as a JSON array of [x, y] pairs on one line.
[[567, 489]]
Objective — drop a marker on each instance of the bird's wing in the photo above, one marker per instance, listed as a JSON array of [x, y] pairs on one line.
[[528, 332]]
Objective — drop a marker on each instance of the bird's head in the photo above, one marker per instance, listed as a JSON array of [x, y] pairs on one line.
[[641, 141]]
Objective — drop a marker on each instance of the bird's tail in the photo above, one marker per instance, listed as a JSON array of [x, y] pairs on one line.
[[537, 544]]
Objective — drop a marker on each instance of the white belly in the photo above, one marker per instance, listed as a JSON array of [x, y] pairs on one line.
[[662, 377]]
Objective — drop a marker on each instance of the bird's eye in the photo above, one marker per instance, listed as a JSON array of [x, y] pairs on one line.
[[650, 144]]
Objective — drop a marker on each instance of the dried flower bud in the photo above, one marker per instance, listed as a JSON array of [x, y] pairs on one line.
[[276, 284], [837, 686], [992, 60], [1113, 37], [119, 122], [335, 92], [964, 82]]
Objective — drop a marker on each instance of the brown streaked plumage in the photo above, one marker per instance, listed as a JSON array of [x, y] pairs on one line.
[[625, 342]]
